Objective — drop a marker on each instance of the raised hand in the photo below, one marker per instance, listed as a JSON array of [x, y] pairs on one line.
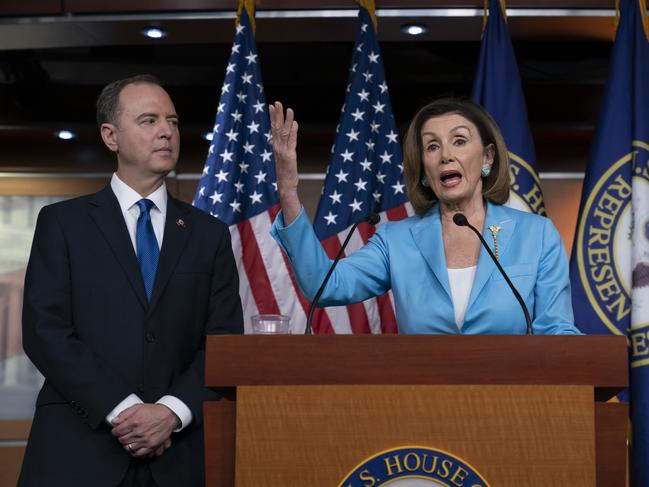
[[284, 130]]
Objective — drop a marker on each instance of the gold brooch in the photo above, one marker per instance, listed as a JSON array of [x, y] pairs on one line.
[[494, 233]]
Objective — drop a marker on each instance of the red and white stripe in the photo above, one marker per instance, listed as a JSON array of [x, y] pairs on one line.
[[267, 284]]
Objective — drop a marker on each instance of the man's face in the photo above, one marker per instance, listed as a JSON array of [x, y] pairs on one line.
[[146, 136]]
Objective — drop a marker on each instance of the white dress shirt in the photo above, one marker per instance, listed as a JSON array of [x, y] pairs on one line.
[[128, 198]]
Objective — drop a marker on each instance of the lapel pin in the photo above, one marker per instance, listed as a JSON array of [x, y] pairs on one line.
[[180, 222], [494, 232]]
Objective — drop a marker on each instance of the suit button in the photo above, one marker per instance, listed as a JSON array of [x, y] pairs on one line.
[[150, 337], [140, 388]]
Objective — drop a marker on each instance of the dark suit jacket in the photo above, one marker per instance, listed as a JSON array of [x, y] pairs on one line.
[[89, 329]]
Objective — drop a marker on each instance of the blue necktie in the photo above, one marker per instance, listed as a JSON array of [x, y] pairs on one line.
[[146, 246]]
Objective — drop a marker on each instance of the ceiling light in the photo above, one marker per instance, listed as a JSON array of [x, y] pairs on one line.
[[208, 136], [154, 33], [65, 135], [414, 29]]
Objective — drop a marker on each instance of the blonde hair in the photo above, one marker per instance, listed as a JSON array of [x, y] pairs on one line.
[[495, 187]]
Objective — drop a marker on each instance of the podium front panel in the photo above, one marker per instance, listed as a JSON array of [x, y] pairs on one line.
[[510, 435]]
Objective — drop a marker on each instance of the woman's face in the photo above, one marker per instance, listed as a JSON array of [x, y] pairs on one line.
[[453, 156]]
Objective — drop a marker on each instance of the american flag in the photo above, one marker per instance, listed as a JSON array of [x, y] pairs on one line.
[[365, 174], [239, 187]]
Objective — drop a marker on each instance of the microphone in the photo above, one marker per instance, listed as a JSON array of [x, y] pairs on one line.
[[460, 220], [372, 219]]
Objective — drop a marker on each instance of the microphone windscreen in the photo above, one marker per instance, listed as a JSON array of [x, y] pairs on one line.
[[460, 220], [373, 218]]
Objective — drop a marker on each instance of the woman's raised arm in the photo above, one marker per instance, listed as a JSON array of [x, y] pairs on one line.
[[284, 130]]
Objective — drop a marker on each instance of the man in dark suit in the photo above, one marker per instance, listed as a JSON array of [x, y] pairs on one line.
[[121, 288]]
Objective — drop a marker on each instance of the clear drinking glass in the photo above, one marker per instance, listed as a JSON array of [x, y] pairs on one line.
[[270, 324]]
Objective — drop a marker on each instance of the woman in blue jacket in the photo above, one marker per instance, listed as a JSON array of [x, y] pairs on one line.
[[443, 281]]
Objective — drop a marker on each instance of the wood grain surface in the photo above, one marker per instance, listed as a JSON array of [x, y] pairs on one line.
[[512, 435], [599, 361]]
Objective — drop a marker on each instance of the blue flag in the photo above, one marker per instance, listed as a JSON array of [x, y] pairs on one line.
[[609, 268], [497, 87]]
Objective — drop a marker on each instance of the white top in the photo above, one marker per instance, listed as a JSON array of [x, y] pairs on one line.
[[461, 281], [128, 198]]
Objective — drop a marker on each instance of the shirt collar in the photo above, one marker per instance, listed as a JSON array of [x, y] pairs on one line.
[[127, 196]]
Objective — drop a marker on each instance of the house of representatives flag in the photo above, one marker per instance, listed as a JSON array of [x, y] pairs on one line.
[[238, 183], [497, 87], [609, 269], [365, 174]]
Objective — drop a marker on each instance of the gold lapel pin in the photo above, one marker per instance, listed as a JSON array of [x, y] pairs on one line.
[[180, 222], [494, 233]]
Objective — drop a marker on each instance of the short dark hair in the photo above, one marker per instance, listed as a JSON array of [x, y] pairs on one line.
[[108, 100], [495, 187]]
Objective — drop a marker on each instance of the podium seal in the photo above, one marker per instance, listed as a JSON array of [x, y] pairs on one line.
[[413, 466]]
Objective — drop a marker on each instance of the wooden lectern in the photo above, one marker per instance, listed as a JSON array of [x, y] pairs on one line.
[[521, 410]]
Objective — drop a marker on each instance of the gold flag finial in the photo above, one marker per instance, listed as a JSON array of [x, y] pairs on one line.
[[503, 9], [643, 15], [369, 6], [249, 5], [642, 6]]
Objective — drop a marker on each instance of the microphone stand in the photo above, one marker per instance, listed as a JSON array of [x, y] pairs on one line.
[[461, 221], [372, 219]]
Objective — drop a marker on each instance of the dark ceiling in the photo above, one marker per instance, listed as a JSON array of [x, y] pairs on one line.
[[55, 62]]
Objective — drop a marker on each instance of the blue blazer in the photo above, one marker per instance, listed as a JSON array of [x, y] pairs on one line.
[[408, 257]]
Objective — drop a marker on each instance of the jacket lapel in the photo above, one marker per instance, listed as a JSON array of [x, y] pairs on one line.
[[427, 234], [178, 228], [107, 215], [496, 216]]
